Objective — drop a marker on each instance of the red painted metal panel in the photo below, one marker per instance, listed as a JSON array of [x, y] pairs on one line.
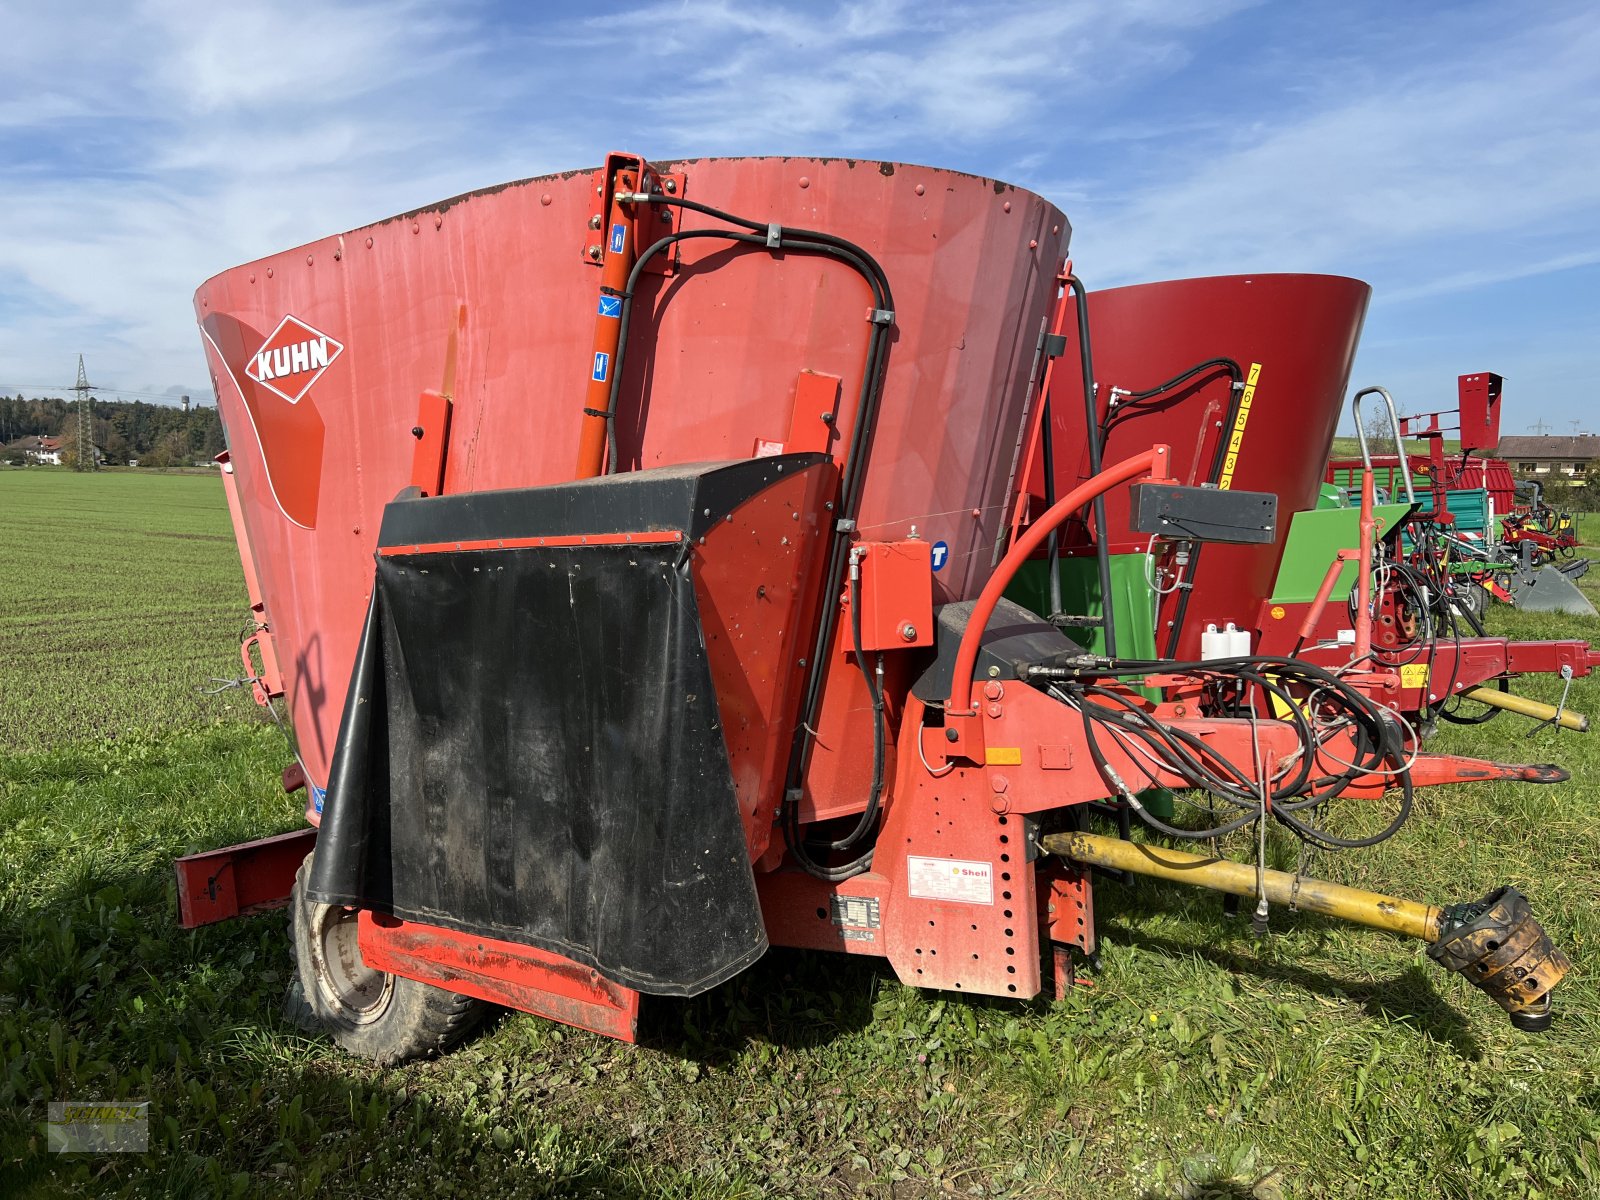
[[432, 432], [508, 973], [714, 352], [239, 880], [813, 422], [896, 594], [757, 581], [961, 911], [803, 911], [1301, 329]]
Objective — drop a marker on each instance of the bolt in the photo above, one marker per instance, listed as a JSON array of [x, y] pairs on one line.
[[909, 632], [919, 189], [545, 199], [594, 253], [665, 216], [805, 181], [594, 221], [416, 431], [671, 186], [950, 735], [1006, 206], [994, 689]]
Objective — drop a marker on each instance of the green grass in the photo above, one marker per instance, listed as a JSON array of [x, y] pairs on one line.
[[1324, 1061], [120, 595]]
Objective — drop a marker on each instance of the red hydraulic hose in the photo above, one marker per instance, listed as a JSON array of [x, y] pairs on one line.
[[1152, 461]]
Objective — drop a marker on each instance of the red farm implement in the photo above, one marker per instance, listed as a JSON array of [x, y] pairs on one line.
[[663, 562]]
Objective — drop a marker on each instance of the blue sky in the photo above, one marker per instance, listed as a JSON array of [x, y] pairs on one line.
[[1449, 154]]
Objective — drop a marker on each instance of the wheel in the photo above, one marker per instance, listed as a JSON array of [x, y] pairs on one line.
[[371, 1014], [1473, 602]]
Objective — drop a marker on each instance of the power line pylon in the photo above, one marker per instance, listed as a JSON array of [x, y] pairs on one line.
[[85, 454]]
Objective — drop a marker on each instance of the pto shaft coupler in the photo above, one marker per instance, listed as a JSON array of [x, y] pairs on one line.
[[1494, 942], [1504, 952]]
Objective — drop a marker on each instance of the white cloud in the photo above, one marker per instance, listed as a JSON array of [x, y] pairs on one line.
[[1406, 177], [1179, 138]]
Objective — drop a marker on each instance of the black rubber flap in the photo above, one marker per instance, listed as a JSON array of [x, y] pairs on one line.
[[540, 759]]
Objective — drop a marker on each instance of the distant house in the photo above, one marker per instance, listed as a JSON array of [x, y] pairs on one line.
[[39, 449], [1568, 458], [46, 450]]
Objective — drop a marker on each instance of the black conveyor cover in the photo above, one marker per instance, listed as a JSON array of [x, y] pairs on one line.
[[531, 747]]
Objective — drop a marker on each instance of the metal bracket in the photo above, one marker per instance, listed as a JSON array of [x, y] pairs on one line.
[[1561, 707], [652, 221]]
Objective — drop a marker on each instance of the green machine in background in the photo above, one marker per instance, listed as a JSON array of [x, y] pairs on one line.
[[1133, 608]]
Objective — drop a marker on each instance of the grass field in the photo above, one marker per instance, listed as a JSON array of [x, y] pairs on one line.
[[1321, 1062], [119, 596]]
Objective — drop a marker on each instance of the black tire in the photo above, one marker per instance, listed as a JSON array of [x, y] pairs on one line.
[[1473, 602], [386, 1018]]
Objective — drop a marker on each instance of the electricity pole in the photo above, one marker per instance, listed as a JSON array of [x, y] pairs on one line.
[[85, 460]]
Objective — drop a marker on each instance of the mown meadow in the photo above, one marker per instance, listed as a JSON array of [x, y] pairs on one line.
[[1321, 1061]]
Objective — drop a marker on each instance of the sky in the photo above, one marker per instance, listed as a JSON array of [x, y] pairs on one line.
[[1448, 154]]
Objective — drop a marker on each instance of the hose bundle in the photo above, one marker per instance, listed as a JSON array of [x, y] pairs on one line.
[[1316, 703]]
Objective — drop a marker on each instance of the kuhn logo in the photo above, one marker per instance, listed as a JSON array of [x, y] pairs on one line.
[[292, 359]]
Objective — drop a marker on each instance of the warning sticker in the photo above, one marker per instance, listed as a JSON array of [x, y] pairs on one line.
[[950, 879], [1414, 675]]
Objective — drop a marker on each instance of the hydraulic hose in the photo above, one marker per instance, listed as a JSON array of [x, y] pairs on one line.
[[773, 237], [1102, 552]]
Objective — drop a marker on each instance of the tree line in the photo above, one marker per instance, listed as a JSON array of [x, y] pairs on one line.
[[156, 435]]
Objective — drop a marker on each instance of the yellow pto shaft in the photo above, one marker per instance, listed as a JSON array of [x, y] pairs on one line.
[[1405, 917], [1528, 708]]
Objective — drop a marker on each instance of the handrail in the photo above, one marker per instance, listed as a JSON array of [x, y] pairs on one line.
[[1154, 461], [1399, 445]]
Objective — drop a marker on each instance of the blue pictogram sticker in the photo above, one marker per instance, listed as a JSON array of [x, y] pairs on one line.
[[318, 795], [619, 234], [941, 555], [610, 306], [602, 364]]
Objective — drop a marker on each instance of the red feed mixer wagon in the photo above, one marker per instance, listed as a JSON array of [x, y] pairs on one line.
[[1183, 362], [642, 560]]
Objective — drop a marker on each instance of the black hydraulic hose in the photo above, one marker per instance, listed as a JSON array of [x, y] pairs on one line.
[[1218, 458], [1127, 400], [870, 816], [778, 238], [1102, 552], [1052, 542], [1375, 740]]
